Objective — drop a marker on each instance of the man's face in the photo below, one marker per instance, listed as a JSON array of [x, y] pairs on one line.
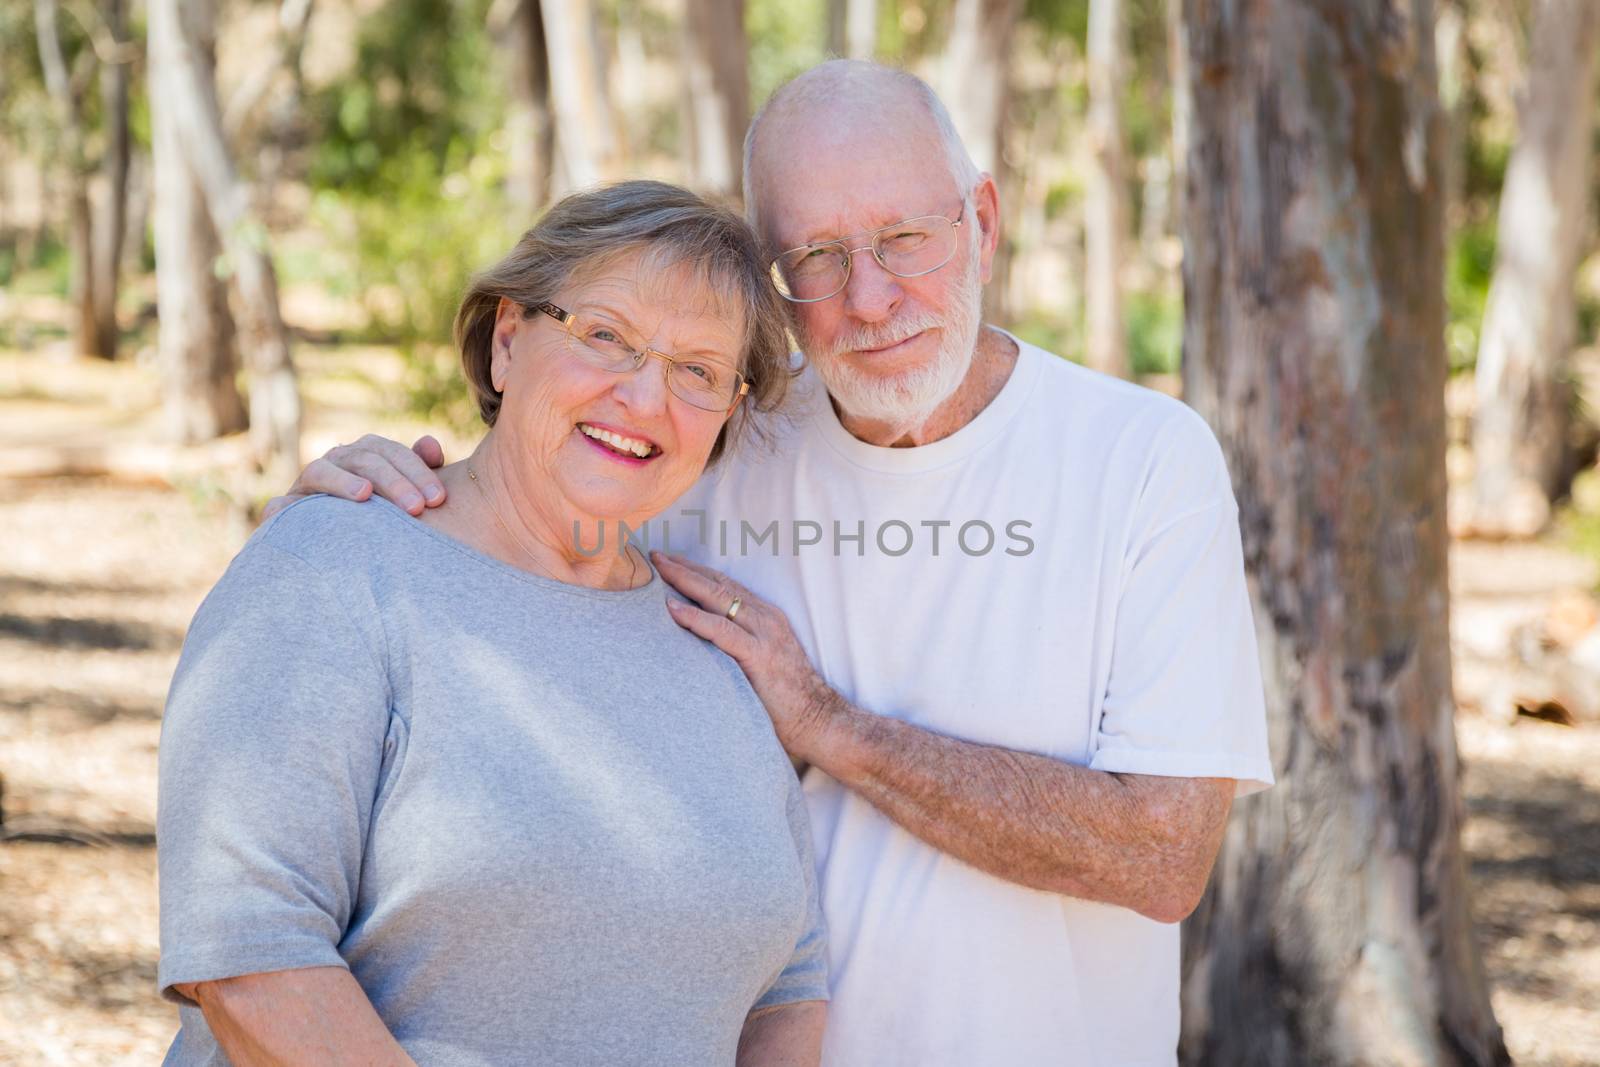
[[889, 349]]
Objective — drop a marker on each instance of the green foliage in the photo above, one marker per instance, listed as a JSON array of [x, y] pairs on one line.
[[423, 85], [1052, 332], [1059, 18], [1578, 521], [414, 252], [44, 272], [1469, 266], [1155, 331], [409, 172], [786, 37]]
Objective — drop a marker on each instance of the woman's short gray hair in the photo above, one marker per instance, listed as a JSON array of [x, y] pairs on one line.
[[583, 233]]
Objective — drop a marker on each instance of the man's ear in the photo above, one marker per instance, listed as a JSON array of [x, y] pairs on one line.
[[507, 320], [986, 207]]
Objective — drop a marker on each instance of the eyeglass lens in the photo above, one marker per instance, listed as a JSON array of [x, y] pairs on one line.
[[907, 249], [703, 383]]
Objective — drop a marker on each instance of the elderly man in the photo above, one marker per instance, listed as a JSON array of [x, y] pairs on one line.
[[994, 600]]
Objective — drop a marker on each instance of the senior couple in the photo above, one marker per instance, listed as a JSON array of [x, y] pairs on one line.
[[441, 784]]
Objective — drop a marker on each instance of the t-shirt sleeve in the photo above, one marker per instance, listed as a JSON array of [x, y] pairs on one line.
[[805, 977], [271, 751], [1184, 698]]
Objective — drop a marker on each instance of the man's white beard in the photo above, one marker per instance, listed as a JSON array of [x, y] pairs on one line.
[[910, 398]]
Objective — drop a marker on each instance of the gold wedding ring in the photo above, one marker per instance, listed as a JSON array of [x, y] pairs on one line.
[[733, 609]]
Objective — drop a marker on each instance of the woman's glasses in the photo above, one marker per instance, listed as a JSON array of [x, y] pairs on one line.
[[602, 343]]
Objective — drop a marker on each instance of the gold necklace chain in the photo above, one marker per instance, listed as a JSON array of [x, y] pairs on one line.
[[633, 565]]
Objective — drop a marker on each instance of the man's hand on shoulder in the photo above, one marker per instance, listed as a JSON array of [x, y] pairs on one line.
[[403, 476]]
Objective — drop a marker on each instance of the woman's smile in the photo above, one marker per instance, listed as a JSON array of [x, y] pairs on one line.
[[619, 444]]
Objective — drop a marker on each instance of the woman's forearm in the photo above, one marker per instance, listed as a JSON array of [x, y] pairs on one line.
[[284, 1018], [788, 1036]]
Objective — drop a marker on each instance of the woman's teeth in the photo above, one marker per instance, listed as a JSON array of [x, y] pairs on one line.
[[617, 441]]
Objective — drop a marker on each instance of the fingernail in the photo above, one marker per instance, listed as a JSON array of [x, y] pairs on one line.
[[410, 500], [434, 494]]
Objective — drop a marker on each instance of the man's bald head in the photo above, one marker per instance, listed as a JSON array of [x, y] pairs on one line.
[[837, 102]]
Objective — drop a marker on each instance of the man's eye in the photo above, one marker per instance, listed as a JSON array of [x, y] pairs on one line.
[[906, 239]]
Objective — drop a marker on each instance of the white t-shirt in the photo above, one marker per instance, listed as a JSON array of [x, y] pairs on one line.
[[1085, 601]]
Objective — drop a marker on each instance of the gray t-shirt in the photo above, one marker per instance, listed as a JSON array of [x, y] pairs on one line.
[[539, 823]]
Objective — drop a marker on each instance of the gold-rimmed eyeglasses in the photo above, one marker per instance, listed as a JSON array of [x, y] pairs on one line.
[[907, 249], [601, 343]]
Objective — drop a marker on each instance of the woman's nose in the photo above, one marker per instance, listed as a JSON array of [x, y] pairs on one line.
[[644, 389]]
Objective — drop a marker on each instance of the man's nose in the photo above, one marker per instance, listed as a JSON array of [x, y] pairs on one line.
[[871, 294]]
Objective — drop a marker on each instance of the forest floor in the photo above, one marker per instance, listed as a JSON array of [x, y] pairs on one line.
[[108, 551]]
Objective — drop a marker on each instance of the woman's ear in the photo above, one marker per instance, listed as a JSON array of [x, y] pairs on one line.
[[507, 320]]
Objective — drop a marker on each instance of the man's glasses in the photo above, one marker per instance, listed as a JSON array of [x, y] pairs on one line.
[[906, 249], [702, 383]]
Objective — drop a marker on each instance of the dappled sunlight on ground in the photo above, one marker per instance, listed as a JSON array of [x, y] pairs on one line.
[[104, 565]]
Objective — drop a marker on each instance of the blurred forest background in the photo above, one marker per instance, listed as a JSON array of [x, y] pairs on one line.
[[234, 232]]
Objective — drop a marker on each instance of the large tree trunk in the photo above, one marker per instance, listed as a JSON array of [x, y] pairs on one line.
[[1336, 930], [717, 89], [1520, 438], [1105, 207], [532, 132], [975, 87], [196, 340], [188, 94], [853, 28], [586, 130], [114, 169]]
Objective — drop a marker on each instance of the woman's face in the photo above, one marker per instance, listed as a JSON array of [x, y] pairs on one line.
[[556, 407]]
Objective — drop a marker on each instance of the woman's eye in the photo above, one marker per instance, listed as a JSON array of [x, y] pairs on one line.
[[700, 370]]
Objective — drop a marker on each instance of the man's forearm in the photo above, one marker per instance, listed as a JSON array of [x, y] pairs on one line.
[[285, 1018], [786, 1036], [1137, 841]]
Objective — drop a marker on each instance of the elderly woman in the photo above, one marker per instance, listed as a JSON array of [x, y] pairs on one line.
[[461, 791]]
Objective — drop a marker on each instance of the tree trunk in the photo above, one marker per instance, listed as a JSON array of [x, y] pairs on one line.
[[1177, 78], [853, 28], [189, 95], [1520, 437], [532, 133], [717, 87], [65, 90], [586, 130], [196, 338], [112, 222], [976, 89], [1105, 207], [1337, 929]]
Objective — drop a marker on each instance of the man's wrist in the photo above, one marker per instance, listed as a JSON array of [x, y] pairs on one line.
[[833, 741]]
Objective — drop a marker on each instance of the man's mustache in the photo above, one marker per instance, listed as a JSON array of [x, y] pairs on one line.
[[883, 335]]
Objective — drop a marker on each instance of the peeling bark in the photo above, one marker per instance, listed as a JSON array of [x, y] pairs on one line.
[[1337, 928]]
